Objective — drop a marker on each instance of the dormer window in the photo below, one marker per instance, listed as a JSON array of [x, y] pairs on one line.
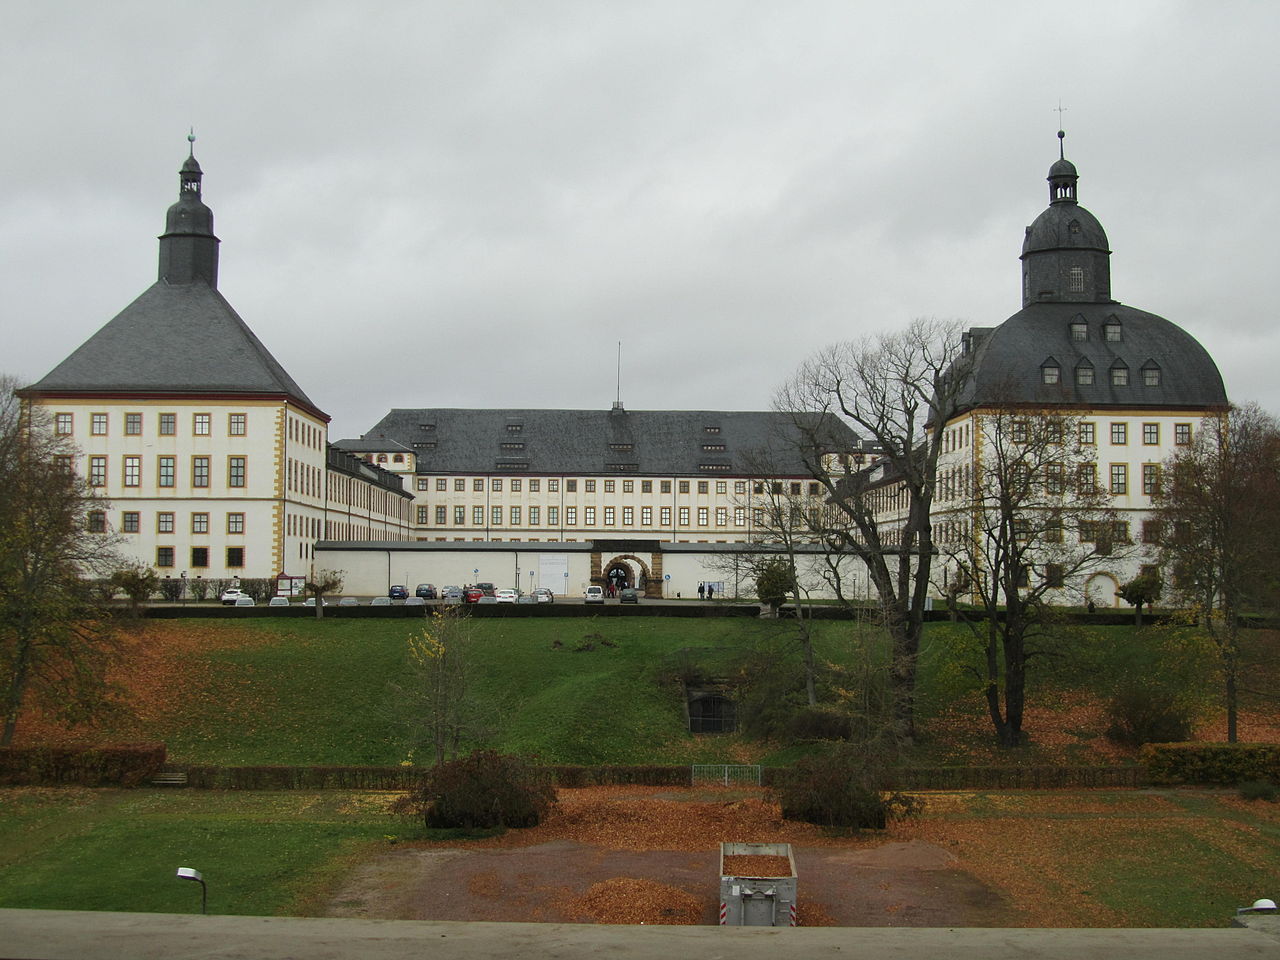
[[1111, 330], [1151, 374], [514, 427], [1050, 372], [1084, 374], [1079, 330], [1120, 374], [398, 458], [382, 458]]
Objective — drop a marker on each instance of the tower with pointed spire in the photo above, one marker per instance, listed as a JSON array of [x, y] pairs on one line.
[[188, 248]]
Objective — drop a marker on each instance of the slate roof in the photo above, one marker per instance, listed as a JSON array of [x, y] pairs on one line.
[[641, 442], [174, 339]]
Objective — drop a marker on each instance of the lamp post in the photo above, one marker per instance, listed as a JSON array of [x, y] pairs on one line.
[[190, 873]]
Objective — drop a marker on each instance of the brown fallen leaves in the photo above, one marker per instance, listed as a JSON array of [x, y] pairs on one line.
[[755, 865], [628, 900]]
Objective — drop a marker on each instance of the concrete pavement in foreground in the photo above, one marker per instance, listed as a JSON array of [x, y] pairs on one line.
[[74, 935]]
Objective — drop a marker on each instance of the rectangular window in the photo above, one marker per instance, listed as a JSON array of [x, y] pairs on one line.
[[1084, 375], [570, 516], [1087, 434], [589, 486], [131, 522], [495, 516], [424, 514], [200, 424], [646, 486], [1079, 331], [200, 471], [1151, 531], [702, 486], [1053, 479], [740, 486], [553, 486], [571, 486], [164, 523], [1111, 332], [235, 523], [235, 556], [553, 516], [442, 484], [422, 483], [165, 471], [684, 516], [628, 486], [62, 424], [684, 486], [132, 471], [666, 486], [722, 516], [235, 424], [722, 486], [589, 516], [442, 515], [1054, 575], [1151, 479], [1087, 477], [496, 484], [199, 523], [515, 516], [235, 471], [535, 486], [459, 516], [1019, 433], [97, 471], [168, 424], [739, 516], [199, 556], [610, 516], [535, 516], [477, 516], [646, 516], [664, 517], [1119, 478], [1151, 376], [609, 486], [1182, 434], [459, 485], [515, 486], [1119, 376], [132, 424], [477, 485], [1119, 434], [98, 424], [164, 556], [96, 522], [1049, 373]]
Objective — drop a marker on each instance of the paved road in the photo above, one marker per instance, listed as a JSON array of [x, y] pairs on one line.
[[61, 935]]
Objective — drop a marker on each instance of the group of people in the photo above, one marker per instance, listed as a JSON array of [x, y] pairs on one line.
[[706, 591]]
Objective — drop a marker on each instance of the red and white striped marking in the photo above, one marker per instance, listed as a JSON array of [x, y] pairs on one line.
[[793, 915], [724, 914]]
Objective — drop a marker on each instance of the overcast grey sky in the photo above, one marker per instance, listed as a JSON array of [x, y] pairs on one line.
[[470, 203]]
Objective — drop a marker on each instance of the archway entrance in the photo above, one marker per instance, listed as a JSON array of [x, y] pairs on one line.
[[619, 575], [627, 570], [1100, 589]]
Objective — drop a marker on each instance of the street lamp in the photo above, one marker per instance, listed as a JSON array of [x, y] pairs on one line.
[[190, 873]]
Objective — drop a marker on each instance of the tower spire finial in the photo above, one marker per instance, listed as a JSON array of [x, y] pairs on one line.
[[191, 139], [1061, 133]]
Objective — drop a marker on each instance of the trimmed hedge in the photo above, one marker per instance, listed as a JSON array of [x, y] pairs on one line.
[[1216, 763], [304, 778], [1014, 778], [653, 775], [123, 765]]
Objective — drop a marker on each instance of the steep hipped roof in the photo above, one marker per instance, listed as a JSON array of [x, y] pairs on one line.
[[181, 336], [651, 442]]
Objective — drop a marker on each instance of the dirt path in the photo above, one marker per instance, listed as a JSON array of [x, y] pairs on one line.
[[593, 839]]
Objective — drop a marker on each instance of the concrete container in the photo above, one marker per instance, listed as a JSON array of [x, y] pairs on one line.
[[757, 901]]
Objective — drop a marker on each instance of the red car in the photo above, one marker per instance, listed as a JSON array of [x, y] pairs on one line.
[[472, 594]]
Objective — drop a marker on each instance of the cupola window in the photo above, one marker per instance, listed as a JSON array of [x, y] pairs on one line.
[[1084, 374], [1151, 374], [1075, 279], [1079, 330], [1120, 374], [1050, 372]]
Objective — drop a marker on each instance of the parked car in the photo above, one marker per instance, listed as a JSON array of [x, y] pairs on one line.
[[451, 594], [244, 600], [311, 602], [278, 602], [628, 595], [427, 591], [593, 594], [232, 594], [543, 595], [380, 602], [484, 599], [398, 592], [526, 598], [485, 588], [472, 594], [505, 595], [415, 602], [348, 602]]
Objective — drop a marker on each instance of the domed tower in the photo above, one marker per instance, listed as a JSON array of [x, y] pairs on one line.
[[1065, 257], [188, 248]]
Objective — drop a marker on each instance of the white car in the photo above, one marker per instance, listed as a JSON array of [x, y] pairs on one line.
[[594, 594], [278, 602], [231, 595], [505, 595], [244, 600], [311, 602], [380, 602]]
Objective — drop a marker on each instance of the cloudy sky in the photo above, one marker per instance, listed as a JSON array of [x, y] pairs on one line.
[[470, 203]]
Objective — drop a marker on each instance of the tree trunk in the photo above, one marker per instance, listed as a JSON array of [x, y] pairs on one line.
[[17, 688]]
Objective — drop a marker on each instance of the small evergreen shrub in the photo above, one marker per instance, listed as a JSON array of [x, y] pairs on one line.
[[841, 789], [483, 789], [1146, 713]]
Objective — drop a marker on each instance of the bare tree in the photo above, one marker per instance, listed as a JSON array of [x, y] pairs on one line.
[[1219, 518], [53, 536], [324, 582], [896, 391], [1021, 519]]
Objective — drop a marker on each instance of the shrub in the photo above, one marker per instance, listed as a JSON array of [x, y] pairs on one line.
[[1259, 790], [124, 765], [841, 789], [483, 789], [819, 723], [774, 583], [1142, 712], [1221, 763]]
